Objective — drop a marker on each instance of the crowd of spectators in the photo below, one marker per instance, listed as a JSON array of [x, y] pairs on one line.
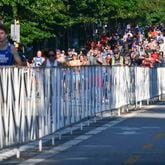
[[133, 46]]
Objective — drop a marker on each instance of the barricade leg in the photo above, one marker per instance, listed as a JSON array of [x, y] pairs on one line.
[[18, 153], [40, 145], [59, 136], [71, 130], [53, 140], [112, 113], [101, 115], [148, 102], [88, 122], [136, 105], [81, 126], [95, 120], [119, 112], [127, 109], [140, 104], [122, 109]]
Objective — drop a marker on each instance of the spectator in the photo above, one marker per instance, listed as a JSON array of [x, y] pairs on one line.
[[117, 60], [155, 58], [51, 60], [60, 58], [108, 60], [69, 55], [161, 58], [127, 60], [95, 57], [130, 46], [38, 60], [83, 60], [75, 61]]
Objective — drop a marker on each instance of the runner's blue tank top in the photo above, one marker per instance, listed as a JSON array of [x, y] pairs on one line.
[[6, 57]]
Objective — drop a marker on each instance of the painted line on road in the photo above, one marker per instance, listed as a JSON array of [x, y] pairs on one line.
[[83, 137], [7, 153], [127, 133], [56, 150]]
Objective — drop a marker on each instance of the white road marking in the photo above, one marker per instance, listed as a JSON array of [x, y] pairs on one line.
[[83, 137], [5, 154], [151, 127], [128, 128], [127, 133], [50, 153]]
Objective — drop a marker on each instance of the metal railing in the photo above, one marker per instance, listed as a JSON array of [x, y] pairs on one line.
[[35, 102]]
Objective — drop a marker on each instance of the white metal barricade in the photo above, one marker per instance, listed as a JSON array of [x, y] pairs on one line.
[[35, 102]]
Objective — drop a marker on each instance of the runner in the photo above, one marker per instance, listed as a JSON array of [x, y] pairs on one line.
[[8, 53]]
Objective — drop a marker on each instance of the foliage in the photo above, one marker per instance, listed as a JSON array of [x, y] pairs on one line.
[[43, 18]]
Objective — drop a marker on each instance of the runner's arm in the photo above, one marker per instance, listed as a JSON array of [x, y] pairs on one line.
[[17, 58]]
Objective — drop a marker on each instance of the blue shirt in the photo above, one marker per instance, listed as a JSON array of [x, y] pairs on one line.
[[6, 57]]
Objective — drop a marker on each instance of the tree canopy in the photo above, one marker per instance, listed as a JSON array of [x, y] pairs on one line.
[[45, 18]]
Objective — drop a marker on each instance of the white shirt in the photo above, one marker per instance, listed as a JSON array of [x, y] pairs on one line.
[[38, 61]]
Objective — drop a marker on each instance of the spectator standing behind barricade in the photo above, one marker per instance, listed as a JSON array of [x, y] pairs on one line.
[[117, 60], [38, 61], [112, 41], [74, 51], [82, 60], [106, 50], [108, 60], [152, 59], [161, 59], [59, 58], [155, 58], [129, 41], [83, 57], [75, 61], [161, 41], [95, 57], [104, 39], [100, 58], [86, 62], [69, 55], [140, 49], [51, 60], [8, 53], [127, 60], [75, 72], [136, 58], [63, 56]]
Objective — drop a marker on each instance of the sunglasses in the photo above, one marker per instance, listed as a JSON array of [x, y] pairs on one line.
[[51, 55]]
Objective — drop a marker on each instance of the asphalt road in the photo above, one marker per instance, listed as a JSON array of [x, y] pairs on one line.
[[138, 140]]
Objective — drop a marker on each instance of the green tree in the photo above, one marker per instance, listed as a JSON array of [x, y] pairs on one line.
[[41, 19]]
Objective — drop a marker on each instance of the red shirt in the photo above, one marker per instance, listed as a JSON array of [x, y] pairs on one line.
[[155, 56], [104, 39]]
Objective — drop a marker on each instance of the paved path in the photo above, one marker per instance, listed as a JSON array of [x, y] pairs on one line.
[[138, 138]]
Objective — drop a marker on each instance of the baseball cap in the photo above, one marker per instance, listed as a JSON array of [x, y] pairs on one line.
[[69, 49]]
